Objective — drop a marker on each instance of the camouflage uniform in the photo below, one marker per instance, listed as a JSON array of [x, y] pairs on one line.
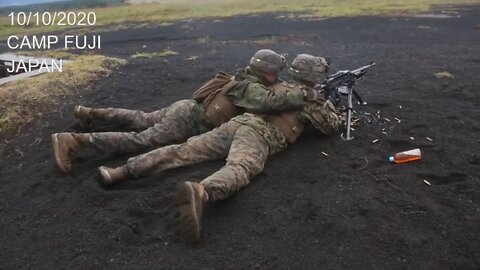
[[186, 118], [172, 124], [137, 120], [246, 141]]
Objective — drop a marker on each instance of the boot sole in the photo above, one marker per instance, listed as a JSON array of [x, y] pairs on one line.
[[56, 152], [105, 177], [190, 225], [76, 110], [84, 123]]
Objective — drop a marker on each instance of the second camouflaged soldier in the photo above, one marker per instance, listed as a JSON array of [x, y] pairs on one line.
[[215, 103], [246, 141]]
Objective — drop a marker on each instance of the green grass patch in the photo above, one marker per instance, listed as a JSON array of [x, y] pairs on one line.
[[171, 10], [203, 40], [265, 41], [25, 100], [163, 53], [444, 75]]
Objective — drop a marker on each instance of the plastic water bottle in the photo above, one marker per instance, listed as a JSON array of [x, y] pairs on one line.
[[406, 156]]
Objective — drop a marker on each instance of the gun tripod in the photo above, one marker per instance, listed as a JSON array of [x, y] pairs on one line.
[[350, 92]]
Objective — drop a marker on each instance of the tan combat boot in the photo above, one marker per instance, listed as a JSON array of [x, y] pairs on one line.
[[84, 115], [65, 145], [191, 199], [109, 176]]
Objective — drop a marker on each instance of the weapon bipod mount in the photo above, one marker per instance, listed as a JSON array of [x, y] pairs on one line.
[[350, 92]]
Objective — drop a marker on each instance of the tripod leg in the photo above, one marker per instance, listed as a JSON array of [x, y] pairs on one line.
[[359, 98], [349, 114]]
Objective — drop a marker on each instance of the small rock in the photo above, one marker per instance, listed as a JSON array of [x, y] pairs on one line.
[[444, 75], [192, 58]]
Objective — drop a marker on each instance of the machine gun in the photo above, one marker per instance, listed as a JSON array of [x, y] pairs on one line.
[[343, 83]]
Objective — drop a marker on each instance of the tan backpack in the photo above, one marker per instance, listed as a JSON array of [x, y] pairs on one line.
[[219, 81]]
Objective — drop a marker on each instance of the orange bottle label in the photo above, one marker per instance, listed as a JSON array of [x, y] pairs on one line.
[[408, 156], [401, 158]]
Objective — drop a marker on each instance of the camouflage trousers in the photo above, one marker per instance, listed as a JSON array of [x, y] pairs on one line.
[[173, 124], [245, 149]]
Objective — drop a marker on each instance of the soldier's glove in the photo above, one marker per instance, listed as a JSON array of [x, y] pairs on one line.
[[312, 95]]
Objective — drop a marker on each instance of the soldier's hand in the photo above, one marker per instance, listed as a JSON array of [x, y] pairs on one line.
[[312, 95]]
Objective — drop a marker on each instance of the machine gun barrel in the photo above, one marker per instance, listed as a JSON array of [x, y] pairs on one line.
[[345, 77], [363, 69]]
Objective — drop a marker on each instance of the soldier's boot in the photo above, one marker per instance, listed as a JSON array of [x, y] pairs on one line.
[[65, 145], [109, 176], [191, 201], [86, 115]]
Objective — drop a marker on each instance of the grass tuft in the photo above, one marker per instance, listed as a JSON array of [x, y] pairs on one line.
[[203, 40], [444, 75], [265, 42], [164, 53], [25, 100]]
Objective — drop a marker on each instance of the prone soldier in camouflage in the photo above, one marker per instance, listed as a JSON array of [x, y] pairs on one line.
[[245, 141], [216, 102]]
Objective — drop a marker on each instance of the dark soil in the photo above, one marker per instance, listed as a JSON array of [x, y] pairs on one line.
[[350, 210]]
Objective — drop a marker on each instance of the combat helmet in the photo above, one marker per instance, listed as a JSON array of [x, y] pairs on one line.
[[266, 61], [308, 68]]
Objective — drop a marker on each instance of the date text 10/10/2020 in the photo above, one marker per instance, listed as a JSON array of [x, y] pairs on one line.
[[78, 18], [46, 42], [31, 19]]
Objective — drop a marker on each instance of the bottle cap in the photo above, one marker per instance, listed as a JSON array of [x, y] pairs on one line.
[[391, 159]]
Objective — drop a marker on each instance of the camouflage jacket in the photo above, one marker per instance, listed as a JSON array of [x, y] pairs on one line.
[[322, 115], [252, 94]]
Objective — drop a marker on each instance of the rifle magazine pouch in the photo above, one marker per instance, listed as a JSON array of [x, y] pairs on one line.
[[288, 123]]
